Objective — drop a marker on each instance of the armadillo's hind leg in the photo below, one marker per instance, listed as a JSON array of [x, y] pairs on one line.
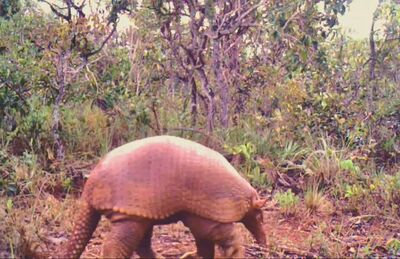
[[124, 238], [85, 223]]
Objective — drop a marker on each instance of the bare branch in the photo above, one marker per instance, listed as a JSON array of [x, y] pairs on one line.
[[79, 8], [239, 21], [55, 9], [87, 55], [291, 18]]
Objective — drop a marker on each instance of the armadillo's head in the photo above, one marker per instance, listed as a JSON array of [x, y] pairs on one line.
[[254, 221]]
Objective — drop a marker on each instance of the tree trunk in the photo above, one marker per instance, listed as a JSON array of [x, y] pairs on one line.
[[373, 58], [59, 147], [223, 87], [234, 79], [193, 99], [210, 96]]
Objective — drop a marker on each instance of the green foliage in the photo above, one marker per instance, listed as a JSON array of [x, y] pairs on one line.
[[67, 184], [141, 112], [246, 150], [86, 130], [251, 167], [301, 98], [20, 57], [117, 71], [393, 190], [252, 131], [28, 129], [257, 178], [354, 192], [348, 165], [393, 245], [10, 204], [356, 196], [8, 184], [9, 7], [292, 151], [287, 202], [21, 175], [35, 126]]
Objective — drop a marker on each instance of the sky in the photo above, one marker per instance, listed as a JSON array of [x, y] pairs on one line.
[[358, 19]]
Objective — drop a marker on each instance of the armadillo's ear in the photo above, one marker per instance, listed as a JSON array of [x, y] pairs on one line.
[[259, 203]]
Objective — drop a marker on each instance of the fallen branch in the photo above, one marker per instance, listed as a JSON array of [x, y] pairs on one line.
[[286, 248], [361, 217]]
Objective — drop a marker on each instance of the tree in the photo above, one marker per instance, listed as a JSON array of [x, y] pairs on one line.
[[380, 50], [214, 29], [71, 46]]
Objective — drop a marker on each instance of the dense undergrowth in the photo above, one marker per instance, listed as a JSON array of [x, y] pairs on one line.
[[315, 172], [317, 139]]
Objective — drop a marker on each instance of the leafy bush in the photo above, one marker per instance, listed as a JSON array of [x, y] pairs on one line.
[[250, 167]]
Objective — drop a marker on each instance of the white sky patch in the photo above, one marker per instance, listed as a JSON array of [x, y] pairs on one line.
[[358, 19]]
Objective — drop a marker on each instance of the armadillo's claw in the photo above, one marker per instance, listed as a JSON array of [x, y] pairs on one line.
[[159, 256], [189, 255]]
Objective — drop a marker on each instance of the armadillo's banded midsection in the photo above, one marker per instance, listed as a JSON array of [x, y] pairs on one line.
[[216, 213], [230, 208], [221, 210]]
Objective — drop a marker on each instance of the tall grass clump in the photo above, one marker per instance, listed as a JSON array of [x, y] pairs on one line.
[[323, 163], [86, 130], [314, 199]]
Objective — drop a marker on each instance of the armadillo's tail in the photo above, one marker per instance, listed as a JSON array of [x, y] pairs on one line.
[[86, 222]]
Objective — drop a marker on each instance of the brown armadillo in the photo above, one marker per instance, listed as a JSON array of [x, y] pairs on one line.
[[163, 179]]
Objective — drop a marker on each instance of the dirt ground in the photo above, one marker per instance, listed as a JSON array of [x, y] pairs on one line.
[[329, 232], [303, 235]]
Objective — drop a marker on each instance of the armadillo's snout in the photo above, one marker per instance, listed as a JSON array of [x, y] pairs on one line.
[[253, 221], [262, 238]]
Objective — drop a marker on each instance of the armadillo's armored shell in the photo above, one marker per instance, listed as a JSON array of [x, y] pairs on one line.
[[159, 176]]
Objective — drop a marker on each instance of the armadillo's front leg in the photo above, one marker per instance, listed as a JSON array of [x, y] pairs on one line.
[[205, 248], [208, 232], [200, 229], [124, 238], [229, 240], [144, 250]]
